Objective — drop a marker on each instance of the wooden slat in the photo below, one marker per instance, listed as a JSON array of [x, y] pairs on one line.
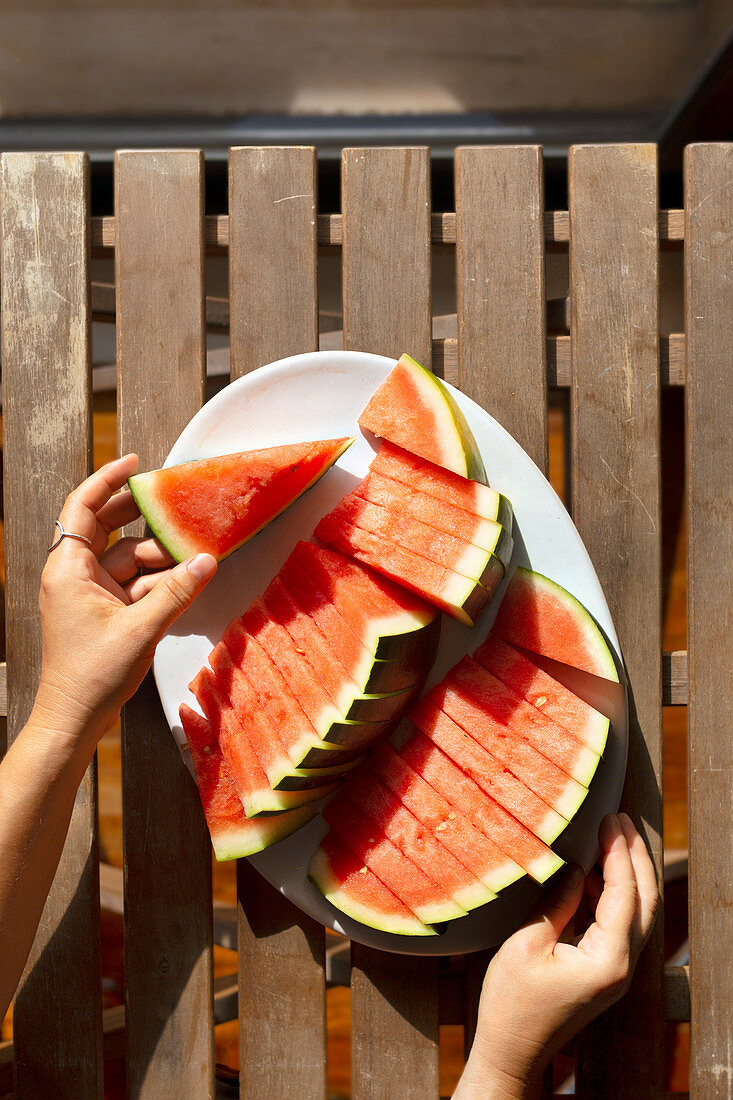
[[272, 265], [160, 367], [709, 323], [616, 476], [500, 285], [47, 451], [386, 289]]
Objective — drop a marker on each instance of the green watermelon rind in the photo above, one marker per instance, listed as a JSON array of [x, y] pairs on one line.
[[258, 834], [267, 802], [142, 485]]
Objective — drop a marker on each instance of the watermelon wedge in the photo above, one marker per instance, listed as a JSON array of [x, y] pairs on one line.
[[460, 597], [514, 839], [232, 834], [416, 410], [487, 534], [538, 615], [427, 899], [355, 890], [544, 692], [215, 505], [416, 843], [451, 827]]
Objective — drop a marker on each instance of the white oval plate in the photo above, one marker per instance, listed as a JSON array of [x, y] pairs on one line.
[[320, 395]]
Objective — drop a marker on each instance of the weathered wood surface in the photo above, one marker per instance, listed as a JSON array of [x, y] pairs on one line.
[[47, 451], [616, 503], [282, 1027], [159, 260], [386, 291], [709, 325]]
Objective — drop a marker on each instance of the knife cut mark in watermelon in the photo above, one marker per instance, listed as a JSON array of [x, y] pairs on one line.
[[215, 505], [518, 842], [426, 477], [355, 890], [233, 836], [427, 900], [491, 774], [415, 409], [461, 598], [544, 692], [538, 615]]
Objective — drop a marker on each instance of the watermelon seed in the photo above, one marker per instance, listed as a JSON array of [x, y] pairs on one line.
[[451, 815], [363, 870], [540, 700], [443, 825]]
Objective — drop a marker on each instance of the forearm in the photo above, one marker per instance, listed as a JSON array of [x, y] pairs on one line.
[[39, 779]]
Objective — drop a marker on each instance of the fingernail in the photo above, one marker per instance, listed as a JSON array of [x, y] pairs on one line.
[[202, 566]]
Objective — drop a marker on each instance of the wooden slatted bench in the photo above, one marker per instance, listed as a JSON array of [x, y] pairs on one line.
[[613, 361]]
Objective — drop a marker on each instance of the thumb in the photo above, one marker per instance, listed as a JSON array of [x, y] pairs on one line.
[[172, 595], [553, 913]]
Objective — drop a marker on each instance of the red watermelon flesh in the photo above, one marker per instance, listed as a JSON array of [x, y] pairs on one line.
[[443, 549], [217, 504], [490, 773], [355, 890], [518, 842], [451, 827], [459, 597], [522, 675], [538, 615], [417, 843], [426, 477], [415, 409], [312, 646], [427, 900], [232, 834], [397, 626], [518, 716], [438, 514], [554, 786], [248, 776]]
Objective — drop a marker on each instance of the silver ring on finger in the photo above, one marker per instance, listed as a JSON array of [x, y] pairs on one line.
[[66, 535]]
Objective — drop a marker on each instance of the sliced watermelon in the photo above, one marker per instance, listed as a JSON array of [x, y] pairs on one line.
[[415, 409], [351, 887], [518, 754], [544, 692], [232, 834], [438, 546], [395, 625], [538, 615], [520, 718], [491, 774], [426, 477], [451, 827], [217, 504], [439, 514], [459, 597], [518, 842], [416, 843], [427, 900]]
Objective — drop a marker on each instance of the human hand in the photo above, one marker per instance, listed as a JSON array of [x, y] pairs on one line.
[[538, 992], [100, 620]]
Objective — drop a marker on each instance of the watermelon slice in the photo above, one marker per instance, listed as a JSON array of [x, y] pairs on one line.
[[488, 771], [426, 477], [217, 504], [514, 839], [538, 615], [487, 534], [519, 717], [415, 409], [428, 901], [451, 827], [438, 546], [544, 692], [458, 596], [351, 887], [232, 834], [416, 843]]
